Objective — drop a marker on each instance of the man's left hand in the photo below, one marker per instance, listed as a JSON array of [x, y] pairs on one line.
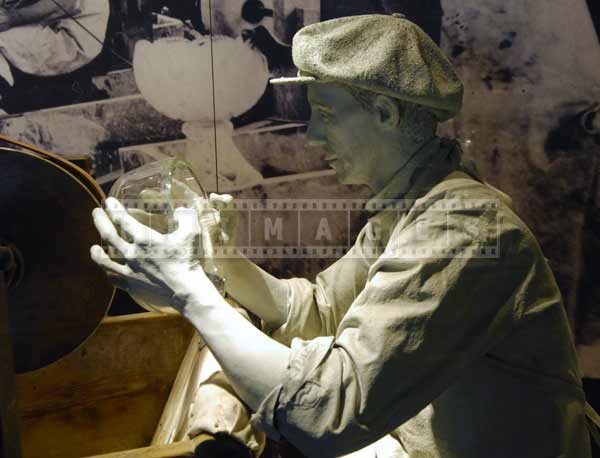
[[169, 261]]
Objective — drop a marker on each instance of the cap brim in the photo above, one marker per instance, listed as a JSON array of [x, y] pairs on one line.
[[294, 80]]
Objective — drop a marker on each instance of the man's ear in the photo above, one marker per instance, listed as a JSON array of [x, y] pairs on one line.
[[387, 111]]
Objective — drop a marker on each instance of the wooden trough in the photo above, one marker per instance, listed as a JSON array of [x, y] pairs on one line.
[[108, 395]]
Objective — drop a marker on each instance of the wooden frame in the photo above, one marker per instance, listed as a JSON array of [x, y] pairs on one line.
[[108, 395]]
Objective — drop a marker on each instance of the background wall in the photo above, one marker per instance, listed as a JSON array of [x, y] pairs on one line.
[[532, 75]]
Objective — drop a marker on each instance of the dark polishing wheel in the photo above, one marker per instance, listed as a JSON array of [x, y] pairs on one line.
[[80, 174], [61, 296]]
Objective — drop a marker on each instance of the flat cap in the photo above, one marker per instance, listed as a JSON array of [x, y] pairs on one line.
[[386, 54]]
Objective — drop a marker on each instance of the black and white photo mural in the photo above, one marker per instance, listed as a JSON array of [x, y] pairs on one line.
[[41, 42], [154, 80], [127, 82]]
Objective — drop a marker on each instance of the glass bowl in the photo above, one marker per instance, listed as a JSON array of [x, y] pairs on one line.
[[151, 194]]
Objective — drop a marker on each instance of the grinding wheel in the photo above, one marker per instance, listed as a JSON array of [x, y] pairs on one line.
[[83, 176], [45, 217]]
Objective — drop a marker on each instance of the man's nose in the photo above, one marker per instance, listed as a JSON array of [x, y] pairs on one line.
[[315, 135]]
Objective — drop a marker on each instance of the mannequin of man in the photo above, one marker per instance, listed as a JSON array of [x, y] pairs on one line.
[[453, 352]]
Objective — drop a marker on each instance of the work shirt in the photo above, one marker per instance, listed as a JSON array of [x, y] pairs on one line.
[[58, 46], [443, 326]]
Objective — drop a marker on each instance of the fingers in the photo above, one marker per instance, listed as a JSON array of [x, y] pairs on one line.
[[128, 224], [120, 276], [187, 222], [107, 231], [100, 257], [220, 201], [227, 217]]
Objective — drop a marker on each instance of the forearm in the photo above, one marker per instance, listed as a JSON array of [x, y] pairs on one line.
[[257, 290], [253, 362], [41, 11]]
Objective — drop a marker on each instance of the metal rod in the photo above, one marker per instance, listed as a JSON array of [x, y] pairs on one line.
[[214, 104]]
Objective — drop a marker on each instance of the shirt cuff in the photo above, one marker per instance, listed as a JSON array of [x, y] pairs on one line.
[[305, 357]]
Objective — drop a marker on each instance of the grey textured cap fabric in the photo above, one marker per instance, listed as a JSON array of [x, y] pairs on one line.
[[384, 54]]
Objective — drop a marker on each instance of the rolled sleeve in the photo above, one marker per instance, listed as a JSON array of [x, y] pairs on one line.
[[297, 393], [315, 406], [316, 309]]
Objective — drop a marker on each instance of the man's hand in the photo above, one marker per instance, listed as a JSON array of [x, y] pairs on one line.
[[161, 265], [228, 219]]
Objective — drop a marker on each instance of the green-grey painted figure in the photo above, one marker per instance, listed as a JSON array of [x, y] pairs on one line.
[[442, 337]]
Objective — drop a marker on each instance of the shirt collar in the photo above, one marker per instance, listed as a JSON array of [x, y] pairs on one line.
[[435, 160]]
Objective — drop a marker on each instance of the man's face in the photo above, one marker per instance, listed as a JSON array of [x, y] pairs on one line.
[[346, 131]]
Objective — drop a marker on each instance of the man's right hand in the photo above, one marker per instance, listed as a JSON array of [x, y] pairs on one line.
[[138, 285]]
